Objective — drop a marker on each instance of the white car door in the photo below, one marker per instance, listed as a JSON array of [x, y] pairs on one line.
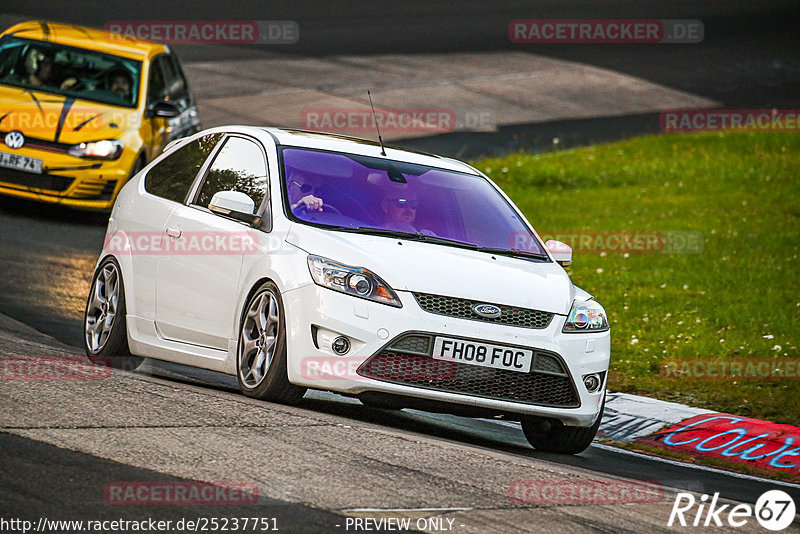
[[197, 284], [142, 222]]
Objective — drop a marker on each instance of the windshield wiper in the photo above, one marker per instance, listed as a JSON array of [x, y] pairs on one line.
[[514, 253], [418, 236]]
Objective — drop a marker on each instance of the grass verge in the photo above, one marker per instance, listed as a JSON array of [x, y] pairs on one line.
[[738, 298]]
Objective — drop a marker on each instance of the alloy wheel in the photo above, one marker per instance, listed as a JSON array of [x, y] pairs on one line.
[[102, 308], [258, 339]]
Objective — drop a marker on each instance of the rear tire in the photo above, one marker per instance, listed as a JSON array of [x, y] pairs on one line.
[[105, 336], [261, 367], [562, 439]]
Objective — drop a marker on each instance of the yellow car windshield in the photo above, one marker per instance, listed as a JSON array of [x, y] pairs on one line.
[[69, 71]]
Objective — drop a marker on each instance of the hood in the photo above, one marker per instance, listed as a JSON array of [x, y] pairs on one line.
[[444, 270], [62, 119]]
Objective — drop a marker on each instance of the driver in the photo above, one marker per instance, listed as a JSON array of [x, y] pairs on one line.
[[302, 189], [400, 210], [119, 82]]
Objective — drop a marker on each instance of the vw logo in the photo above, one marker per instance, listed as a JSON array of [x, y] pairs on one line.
[[489, 311], [15, 139]]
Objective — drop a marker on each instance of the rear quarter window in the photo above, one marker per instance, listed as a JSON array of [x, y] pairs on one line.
[[173, 176]]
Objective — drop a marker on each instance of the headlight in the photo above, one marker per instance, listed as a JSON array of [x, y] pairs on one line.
[[586, 316], [354, 281], [105, 149]]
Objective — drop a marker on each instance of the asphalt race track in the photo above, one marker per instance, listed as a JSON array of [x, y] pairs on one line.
[[315, 465], [54, 455]]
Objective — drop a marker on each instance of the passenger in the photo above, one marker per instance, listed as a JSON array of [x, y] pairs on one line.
[[40, 70]]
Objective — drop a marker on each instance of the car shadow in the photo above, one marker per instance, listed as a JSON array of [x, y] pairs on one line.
[[29, 209]]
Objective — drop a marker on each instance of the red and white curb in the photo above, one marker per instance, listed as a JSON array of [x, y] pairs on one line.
[[702, 433], [629, 417]]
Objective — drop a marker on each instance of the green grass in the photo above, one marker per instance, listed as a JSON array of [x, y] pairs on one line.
[[741, 192]]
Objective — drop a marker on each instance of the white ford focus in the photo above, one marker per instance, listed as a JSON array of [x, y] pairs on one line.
[[298, 260]]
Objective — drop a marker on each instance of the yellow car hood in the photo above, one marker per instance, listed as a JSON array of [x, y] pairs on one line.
[[58, 118]]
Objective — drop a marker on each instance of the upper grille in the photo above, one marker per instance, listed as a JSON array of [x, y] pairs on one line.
[[402, 362], [42, 144], [462, 308]]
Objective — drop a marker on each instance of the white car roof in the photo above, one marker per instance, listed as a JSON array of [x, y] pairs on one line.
[[364, 147]]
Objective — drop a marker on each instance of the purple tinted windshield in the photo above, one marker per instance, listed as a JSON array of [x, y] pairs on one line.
[[361, 192]]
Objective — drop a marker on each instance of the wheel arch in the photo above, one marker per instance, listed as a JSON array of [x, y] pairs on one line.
[[253, 288], [127, 281]]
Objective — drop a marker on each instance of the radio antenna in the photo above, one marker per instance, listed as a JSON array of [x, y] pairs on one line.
[[383, 151]]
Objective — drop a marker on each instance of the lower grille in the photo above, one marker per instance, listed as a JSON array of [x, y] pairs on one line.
[[50, 182], [108, 190], [88, 188], [401, 362]]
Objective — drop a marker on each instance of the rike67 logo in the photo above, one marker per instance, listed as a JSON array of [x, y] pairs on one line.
[[774, 510]]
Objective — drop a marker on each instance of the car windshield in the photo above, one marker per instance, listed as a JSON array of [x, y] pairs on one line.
[[69, 71], [379, 196]]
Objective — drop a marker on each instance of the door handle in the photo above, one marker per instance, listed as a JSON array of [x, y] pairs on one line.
[[174, 232]]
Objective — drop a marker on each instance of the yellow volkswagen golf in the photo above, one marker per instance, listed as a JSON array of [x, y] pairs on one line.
[[82, 110]]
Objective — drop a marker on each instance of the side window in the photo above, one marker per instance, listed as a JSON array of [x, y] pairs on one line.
[[173, 176], [156, 86], [175, 82], [239, 166]]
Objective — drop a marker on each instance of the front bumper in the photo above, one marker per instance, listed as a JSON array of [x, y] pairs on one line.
[[94, 186], [316, 316]]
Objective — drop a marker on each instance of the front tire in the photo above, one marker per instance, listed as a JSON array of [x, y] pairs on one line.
[[105, 337], [562, 439], [261, 367]]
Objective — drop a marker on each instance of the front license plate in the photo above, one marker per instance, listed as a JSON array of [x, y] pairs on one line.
[[22, 163], [483, 354]]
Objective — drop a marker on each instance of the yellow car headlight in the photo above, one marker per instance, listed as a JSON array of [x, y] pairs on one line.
[[105, 149]]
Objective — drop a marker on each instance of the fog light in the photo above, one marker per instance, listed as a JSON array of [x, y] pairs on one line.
[[341, 345], [592, 382]]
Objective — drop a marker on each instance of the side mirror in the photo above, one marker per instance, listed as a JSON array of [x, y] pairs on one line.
[[163, 109], [561, 252], [234, 204]]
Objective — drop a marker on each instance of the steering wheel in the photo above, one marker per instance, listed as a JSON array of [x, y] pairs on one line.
[[325, 208], [79, 84]]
